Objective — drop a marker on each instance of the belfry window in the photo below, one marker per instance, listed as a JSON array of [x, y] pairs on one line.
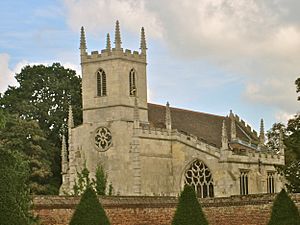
[[132, 81], [244, 183], [200, 178], [270, 182], [101, 83]]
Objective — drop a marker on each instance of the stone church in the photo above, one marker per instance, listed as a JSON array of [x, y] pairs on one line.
[[153, 150]]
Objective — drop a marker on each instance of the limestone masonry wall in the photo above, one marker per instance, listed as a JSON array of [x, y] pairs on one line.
[[236, 210]]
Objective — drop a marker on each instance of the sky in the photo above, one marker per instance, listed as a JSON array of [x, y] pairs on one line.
[[205, 55]]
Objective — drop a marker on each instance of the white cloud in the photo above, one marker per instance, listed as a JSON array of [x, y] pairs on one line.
[[98, 15], [69, 65], [7, 75], [274, 92], [283, 117], [257, 41]]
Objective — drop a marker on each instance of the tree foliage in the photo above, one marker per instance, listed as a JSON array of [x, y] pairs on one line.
[[44, 94], [83, 181], [293, 141], [110, 189], [29, 140], [101, 181], [284, 211], [273, 136], [99, 184], [2, 119], [15, 202], [189, 211], [292, 175], [291, 135], [89, 210], [297, 82]]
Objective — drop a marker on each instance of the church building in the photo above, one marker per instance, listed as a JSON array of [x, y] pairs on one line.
[[154, 150]]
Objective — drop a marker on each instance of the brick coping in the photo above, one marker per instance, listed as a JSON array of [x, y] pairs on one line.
[[70, 202]]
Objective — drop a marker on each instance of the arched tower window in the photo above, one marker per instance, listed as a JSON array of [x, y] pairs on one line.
[[200, 178], [132, 81], [101, 83]]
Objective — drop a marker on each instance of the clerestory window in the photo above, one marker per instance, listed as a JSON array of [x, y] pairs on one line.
[[132, 83], [270, 182], [244, 183], [101, 83], [200, 178]]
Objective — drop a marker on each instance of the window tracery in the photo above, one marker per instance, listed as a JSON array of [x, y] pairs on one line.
[[101, 83], [200, 178], [103, 138], [132, 81]]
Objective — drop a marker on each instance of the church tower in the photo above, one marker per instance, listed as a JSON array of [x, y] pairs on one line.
[[112, 80]]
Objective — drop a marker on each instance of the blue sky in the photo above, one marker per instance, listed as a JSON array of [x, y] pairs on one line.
[[209, 56]]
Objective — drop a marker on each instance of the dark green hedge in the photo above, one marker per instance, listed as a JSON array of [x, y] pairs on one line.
[[189, 211], [15, 201], [89, 210], [284, 211]]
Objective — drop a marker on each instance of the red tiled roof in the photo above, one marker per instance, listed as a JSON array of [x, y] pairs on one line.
[[205, 126]]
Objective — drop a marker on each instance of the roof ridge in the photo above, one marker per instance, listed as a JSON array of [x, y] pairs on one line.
[[189, 110]]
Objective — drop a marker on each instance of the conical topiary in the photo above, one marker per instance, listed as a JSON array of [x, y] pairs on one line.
[[89, 210], [284, 211], [189, 211]]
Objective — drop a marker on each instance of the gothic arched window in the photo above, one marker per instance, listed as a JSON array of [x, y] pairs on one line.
[[132, 81], [244, 190], [200, 178], [101, 83], [271, 182]]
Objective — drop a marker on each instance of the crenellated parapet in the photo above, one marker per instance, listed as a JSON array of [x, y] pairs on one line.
[[117, 52], [105, 54], [254, 149], [251, 155], [240, 122], [265, 158], [187, 139]]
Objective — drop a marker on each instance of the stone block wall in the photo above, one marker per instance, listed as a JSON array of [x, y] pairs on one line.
[[236, 210]]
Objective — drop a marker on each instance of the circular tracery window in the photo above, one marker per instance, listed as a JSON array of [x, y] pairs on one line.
[[103, 138], [200, 178]]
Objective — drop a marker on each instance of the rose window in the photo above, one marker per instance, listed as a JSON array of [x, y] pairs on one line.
[[200, 178], [103, 138]]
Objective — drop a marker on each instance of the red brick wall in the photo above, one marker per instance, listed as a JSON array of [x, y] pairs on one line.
[[237, 210]]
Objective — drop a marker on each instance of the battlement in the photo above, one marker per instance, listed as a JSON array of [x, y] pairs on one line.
[[265, 158], [175, 135], [246, 126], [254, 156], [113, 53], [106, 54]]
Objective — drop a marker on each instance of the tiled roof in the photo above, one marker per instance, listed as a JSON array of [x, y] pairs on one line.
[[205, 126]]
